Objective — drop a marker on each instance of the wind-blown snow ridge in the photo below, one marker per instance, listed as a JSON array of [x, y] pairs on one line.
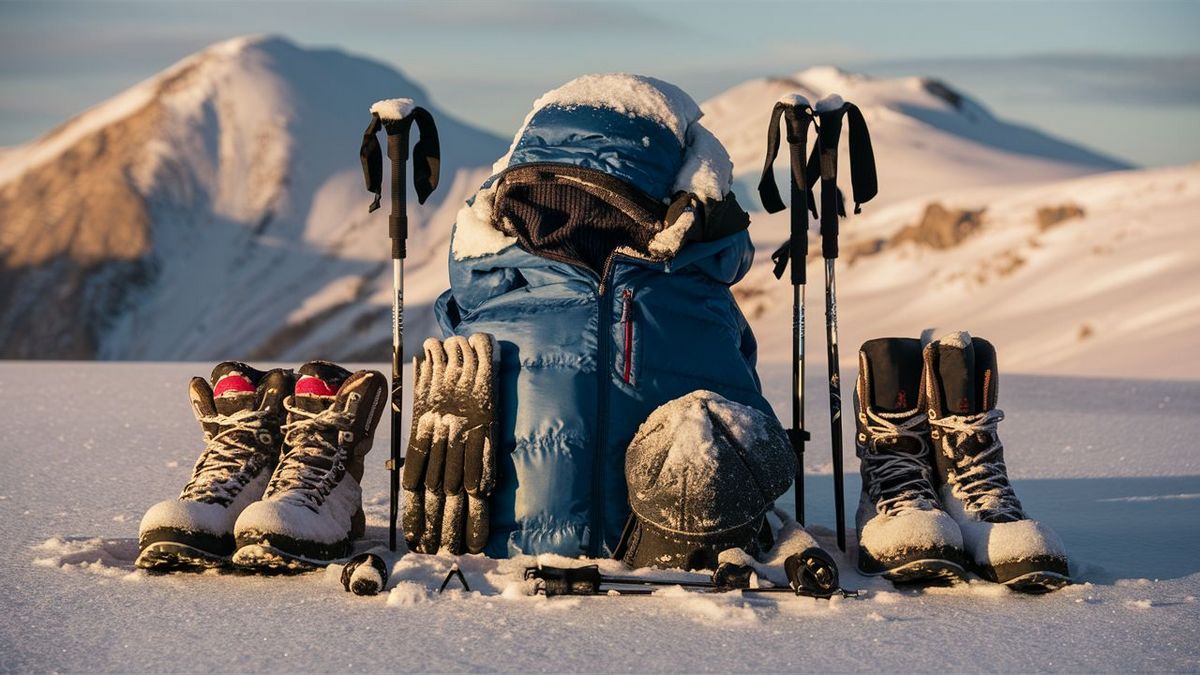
[[928, 137]]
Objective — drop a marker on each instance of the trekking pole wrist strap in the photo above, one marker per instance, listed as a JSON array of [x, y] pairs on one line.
[[426, 153]]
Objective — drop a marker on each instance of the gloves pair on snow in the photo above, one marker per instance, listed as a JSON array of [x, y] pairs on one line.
[[450, 466]]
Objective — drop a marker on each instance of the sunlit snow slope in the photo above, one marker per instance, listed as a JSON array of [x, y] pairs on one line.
[[218, 210]]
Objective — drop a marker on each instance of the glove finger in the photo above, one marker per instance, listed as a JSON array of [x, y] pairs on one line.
[[413, 518], [424, 376], [454, 363], [435, 505], [435, 354], [466, 379], [421, 369], [417, 455], [477, 527], [435, 467], [452, 476], [483, 383], [473, 459], [453, 522]]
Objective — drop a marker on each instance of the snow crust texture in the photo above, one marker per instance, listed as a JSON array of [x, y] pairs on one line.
[[70, 502]]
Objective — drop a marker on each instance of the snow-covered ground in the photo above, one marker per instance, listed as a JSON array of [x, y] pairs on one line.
[[1111, 464]]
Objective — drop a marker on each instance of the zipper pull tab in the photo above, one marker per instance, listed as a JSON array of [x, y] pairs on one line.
[[626, 304]]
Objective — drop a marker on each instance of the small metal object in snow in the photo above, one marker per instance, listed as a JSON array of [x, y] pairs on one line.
[[813, 573], [454, 572], [359, 583]]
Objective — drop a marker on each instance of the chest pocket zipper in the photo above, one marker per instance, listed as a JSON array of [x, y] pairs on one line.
[[627, 330]]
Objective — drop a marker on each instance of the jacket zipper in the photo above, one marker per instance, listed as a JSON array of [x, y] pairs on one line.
[[627, 323], [604, 321]]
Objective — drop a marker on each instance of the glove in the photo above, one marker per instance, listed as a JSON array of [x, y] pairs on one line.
[[450, 466]]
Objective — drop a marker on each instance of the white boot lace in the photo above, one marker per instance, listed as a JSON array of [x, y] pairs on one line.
[[899, 475], [228, 459], [979, 479], [313, 464]]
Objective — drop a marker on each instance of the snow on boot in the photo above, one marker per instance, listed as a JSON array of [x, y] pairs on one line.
[[240, 413], [1002, 542], [902, 532], [312, 508]]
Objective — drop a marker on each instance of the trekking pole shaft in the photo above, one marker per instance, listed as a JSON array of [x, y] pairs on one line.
[[798, 393], [799, 258], [835, 399], [398, 231], [828, 133], [636, 581]]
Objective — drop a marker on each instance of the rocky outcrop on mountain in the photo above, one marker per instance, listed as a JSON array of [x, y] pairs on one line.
[[214, 211], [1049, 217], [940, 227]]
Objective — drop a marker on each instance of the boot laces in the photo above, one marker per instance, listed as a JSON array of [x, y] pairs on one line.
[[979, 478], [899, 475], [315, 461], [229, 458]]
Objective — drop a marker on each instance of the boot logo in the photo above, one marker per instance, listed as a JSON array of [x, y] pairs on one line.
[[964, 405], [901, 400]]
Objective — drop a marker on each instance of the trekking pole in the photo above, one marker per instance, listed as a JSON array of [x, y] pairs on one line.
[[797, 114], [811, 573], [396, 116], [829, 112]]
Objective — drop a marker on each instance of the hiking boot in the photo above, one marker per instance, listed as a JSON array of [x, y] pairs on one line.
[[240, 414], [903, 534], [1003, 544], [312, 508]]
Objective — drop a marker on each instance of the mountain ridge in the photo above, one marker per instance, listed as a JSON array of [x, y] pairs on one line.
[[248, 145], [226, 217]]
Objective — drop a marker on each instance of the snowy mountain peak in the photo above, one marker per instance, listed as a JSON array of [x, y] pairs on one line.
[[928, 135], [203, 191]]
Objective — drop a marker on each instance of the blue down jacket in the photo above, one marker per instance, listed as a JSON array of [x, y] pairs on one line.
[[584, 359]]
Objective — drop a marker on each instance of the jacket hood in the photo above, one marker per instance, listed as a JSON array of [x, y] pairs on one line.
[[638, 129]]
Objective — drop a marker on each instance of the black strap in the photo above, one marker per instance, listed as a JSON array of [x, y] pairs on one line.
[[768, 190], [711, 220], [798, 118], [371, 156], [829, 132], [426, 153], [863, 177]]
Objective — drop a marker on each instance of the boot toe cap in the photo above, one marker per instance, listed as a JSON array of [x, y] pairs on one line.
[[288, 520], [1007, 543], [909, 536], [187, 516]]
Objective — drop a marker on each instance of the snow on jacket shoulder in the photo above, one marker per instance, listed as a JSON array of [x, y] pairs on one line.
[[587, 354]]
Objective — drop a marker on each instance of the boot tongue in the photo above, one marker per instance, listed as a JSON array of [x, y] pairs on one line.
[[895, 373], [233, 391], [314, 394], [318, 384], [957, 374]]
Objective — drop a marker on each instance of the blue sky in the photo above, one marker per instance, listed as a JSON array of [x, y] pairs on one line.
[[1122, 77]]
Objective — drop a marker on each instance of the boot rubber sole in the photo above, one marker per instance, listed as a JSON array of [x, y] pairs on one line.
[[170, 556], [930, 570], [1038, 582], [267, 558]]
